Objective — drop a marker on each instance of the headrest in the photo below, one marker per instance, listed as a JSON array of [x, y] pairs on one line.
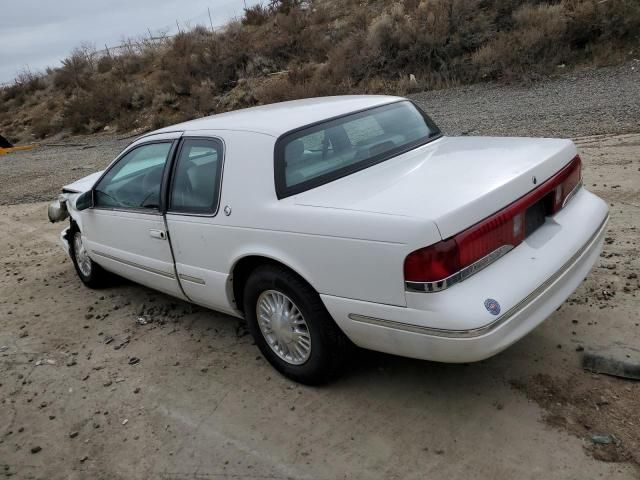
[[294, 150]]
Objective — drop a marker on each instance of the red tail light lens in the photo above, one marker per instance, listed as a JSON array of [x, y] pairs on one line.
[[432, 263], [504, 228]]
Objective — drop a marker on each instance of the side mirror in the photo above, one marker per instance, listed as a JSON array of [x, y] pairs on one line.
[[85, 200]]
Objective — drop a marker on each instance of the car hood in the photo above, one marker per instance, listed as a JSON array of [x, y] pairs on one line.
[[454, 181], [82, 185]]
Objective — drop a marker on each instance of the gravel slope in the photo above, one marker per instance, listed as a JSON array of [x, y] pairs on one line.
[[589, 102]]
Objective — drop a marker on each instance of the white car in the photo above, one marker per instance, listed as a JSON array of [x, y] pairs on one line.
[[343, 219]]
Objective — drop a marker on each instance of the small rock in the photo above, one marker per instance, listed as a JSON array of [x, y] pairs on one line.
[[84, 459], [579, 348], [73, 434], [134, 361], [36, 449], [125, 421], [108, 383]]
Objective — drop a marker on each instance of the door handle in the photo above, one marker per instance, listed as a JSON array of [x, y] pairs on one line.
[[161, 234]]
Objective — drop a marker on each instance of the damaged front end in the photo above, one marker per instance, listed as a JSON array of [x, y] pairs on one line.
[[58, 210]]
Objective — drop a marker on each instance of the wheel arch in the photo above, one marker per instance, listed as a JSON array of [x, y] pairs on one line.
[[246, 264]]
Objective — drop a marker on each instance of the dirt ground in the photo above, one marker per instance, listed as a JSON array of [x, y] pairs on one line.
[[201, 403]]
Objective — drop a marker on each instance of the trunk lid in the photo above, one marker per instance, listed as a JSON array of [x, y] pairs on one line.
[[454, 181]]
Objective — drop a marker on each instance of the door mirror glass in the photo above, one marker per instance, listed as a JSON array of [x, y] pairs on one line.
[[134, 182], [84, 201]]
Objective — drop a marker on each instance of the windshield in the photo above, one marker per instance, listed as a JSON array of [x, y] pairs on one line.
[[323, 152]]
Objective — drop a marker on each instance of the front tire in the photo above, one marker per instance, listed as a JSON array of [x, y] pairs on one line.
[[91, 274], [292, 327]]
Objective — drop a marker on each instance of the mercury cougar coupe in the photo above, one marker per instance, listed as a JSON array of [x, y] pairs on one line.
[[344, 220]]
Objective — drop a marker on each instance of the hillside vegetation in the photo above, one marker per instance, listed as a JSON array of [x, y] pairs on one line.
[[292, 49]]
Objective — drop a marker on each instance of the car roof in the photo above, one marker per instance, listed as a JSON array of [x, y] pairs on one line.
[[278, 118]]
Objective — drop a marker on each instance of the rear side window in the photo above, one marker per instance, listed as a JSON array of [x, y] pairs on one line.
[[195, 187], [321, 153]]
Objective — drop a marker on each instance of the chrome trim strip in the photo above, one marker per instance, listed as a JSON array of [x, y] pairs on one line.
[[460, 275], [476, 332], [135, 265], [572, 193], [191, 279]]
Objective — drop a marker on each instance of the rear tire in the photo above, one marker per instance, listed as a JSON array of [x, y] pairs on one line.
[[91, 274], [292, 327]]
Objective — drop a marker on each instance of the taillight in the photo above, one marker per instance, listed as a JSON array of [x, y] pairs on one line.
[[567, 184], [501, 231], [432, 263]]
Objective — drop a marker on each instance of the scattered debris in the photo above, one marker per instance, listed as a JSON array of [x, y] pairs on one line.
[[603, 439], [616, 360], [45, 362], [143, 320]]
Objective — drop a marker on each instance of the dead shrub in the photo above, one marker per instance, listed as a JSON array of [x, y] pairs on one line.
[[532, 48], [255, 15], [76, 71], [42, 127], [105, 64]]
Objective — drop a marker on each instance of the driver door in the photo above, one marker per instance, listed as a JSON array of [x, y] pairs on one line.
[[125, 230]]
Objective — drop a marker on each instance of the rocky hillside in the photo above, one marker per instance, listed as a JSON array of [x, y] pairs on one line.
[[295, 48]]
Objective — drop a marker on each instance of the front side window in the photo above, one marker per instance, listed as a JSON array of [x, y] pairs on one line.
[[135, 181], [321, 153], [196, 180]]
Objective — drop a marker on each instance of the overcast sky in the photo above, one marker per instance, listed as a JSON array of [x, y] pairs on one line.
[[35, 34]]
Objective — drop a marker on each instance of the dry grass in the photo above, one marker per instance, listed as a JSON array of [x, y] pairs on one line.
[[293, 48]]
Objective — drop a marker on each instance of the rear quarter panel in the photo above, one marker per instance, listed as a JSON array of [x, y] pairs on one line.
[[339, 252]]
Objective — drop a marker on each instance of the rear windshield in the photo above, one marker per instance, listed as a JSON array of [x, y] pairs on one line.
[[323, 152]]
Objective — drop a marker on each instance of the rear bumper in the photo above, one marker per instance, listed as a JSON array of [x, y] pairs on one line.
[[530, 283]]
